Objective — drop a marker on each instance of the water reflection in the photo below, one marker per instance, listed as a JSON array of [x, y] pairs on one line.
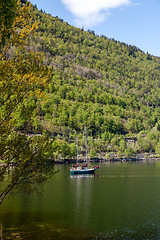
[[84, 176], [83, 197]]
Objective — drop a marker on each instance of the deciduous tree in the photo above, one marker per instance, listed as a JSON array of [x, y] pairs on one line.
[[22, 72]]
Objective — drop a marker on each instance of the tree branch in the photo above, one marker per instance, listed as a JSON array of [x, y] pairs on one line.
[[13, 108], [11, 186]]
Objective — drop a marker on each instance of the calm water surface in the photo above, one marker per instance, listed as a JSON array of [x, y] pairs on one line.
[[121, 201]]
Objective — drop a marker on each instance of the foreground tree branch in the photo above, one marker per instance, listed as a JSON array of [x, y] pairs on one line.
[[21, 71]]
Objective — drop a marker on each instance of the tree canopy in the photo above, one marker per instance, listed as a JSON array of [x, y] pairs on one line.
[[22, 73], [106, 85]]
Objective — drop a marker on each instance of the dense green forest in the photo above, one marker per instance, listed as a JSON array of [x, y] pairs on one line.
[[108, 86]]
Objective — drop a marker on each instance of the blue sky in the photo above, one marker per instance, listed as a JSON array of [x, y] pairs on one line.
[[135, 22]]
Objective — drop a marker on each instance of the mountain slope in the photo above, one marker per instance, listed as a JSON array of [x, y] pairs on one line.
[[108, 86]]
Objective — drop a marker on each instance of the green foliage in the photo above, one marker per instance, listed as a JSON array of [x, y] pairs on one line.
[[22, 74], [92, 153], [7, 15], [98, 82]]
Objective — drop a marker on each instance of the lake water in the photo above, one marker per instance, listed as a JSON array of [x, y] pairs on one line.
[[121, 201]]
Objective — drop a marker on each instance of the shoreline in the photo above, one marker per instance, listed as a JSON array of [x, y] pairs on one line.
[[137, 158]]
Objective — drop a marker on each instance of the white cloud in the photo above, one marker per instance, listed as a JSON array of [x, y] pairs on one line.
[[92, 12]]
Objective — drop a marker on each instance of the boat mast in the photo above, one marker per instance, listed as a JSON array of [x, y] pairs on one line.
[[77, 149], [86, 143]]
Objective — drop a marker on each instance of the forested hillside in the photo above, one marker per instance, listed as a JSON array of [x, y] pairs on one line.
[[106, 85]]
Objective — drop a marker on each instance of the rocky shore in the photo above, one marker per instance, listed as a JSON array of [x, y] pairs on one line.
[[137, 157]]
